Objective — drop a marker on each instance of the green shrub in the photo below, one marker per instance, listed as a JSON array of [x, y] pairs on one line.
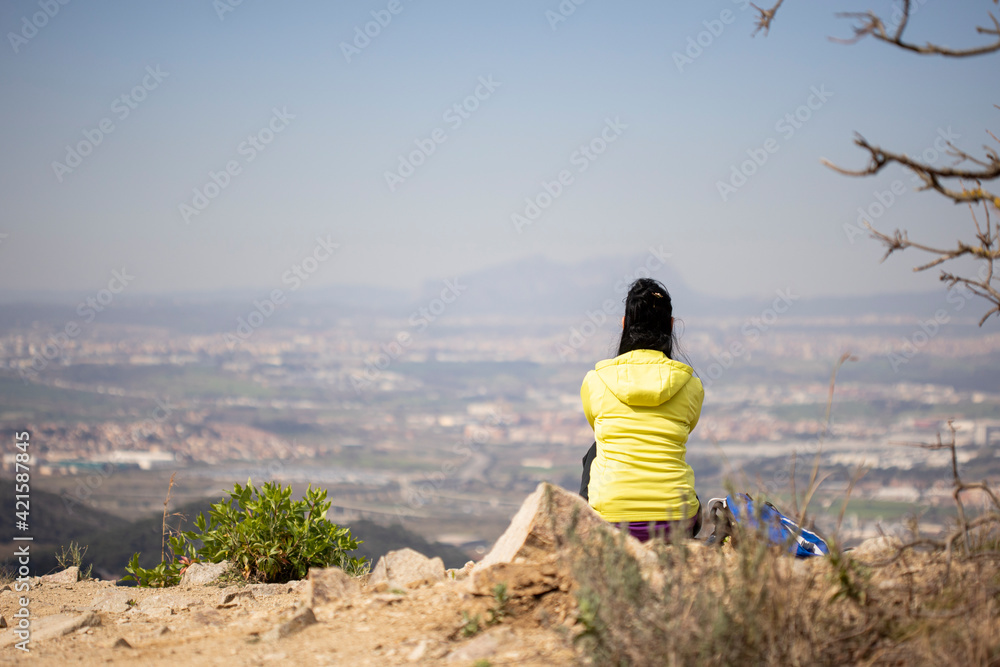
[[266, 535]]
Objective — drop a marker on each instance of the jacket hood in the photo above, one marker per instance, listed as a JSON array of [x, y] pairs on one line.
[[643, 378]]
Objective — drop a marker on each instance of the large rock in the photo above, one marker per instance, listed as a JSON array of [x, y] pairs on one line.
[[554, 524], [326, 585], [406, 568], [68, 576], [199, 574], [551, 521]]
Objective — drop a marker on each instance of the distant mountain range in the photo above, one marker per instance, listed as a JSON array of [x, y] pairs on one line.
[[534, 287]]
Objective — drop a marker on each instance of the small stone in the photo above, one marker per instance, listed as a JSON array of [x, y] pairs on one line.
[[165, 600], [3, 621], [234, 598], [114, 602], [326, 585], [267, 590], [406, 568], [68, 576], [207, 617], [461, 573], [418, 652], [121, 643], [483, 646], [157, 611], [199, 574], [302, 619]]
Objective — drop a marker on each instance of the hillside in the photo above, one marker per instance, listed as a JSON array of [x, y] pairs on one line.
[[559, 587]]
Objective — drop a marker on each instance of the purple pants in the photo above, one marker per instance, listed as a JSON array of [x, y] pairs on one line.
[[644, 530]]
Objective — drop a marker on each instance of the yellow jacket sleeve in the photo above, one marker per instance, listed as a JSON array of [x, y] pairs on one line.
[[585, 398]]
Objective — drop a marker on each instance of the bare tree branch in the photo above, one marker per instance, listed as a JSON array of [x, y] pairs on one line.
[[965, 525], [766, 16], [934, 177], [869, 24], [949, 181], [986, 244]]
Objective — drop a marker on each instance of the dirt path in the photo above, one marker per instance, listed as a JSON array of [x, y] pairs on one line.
[[212, 625]]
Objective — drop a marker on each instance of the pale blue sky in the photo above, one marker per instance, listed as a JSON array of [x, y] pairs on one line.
[[324, 173]]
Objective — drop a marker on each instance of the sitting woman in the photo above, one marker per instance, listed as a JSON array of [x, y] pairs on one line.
[[642, 406]]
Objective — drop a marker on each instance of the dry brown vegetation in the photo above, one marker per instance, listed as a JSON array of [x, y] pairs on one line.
[[923, 601]]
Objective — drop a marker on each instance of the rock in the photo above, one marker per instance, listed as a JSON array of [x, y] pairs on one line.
[[57, 625], [418, 652], [199, 574], [406, 568], [3, 621], [541, 527], [877, 548], [157, 611], [234, 598], [121, 643], [301, 620], [68, 576], [461, 573], [326, 585], [165, 604], [521, 579], [482, 647], [554, 522], [208, 617], [267, 590], [114, 602]]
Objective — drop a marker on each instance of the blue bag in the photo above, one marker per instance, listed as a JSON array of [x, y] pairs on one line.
[[741, 510]]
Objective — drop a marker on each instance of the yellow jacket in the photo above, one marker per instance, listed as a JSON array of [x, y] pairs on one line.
[[642, 407]]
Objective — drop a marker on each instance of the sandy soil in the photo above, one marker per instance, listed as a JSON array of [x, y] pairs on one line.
[[200, 625]]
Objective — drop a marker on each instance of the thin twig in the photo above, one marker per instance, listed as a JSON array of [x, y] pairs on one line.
[[163, 529]]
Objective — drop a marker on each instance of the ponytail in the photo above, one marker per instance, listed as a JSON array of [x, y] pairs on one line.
[[648, 321]]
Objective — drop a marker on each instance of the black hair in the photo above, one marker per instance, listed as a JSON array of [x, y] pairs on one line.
[[648, 321]]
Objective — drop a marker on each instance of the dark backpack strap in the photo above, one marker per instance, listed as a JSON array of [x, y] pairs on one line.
[[588, 460]]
